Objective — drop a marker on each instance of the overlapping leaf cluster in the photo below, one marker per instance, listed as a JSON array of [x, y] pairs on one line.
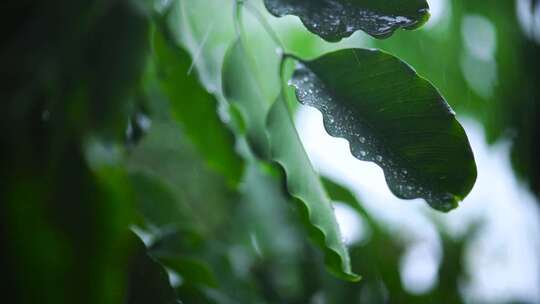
[[111, 126]]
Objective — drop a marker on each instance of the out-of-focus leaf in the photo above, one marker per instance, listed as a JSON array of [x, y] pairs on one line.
[[166, 156], [338, 192], [155, 201], [381, 278], [147, 281], [190, 268], [195, 108], [54, 216], [394, 118], [244, 93], [337, 19], [69, 70], [184, 203], [304, 185]]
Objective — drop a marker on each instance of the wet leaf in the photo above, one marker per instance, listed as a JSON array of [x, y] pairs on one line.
[[272, 126], [336, 19], [394, 118]]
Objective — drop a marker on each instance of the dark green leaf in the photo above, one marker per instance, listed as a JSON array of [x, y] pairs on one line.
[[194, 270], [148, 281], [69, 70], [155, 201], [337, 19], [394, 118]]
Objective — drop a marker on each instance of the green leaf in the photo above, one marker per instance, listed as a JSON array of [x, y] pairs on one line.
[[341, 194], [179, 183], [304, 185], [271, 125], [156, 202], [245, 95], [394, 118], [195, 108], [193, 269], [336, 19], [148, 281]]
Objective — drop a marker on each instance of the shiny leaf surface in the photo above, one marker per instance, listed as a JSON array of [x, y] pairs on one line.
[[394, 118], [337, 19]]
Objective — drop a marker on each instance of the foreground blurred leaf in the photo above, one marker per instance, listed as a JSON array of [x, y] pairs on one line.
[[194, 107], [193, 269], [183, 202], [65, 227], [284, 146], [394, 118], [337, 19], [69, 70], [191, 195], [148, 281]]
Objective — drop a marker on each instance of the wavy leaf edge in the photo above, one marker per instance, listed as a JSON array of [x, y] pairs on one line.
[[400, 23], [451, 201], [332, 254]]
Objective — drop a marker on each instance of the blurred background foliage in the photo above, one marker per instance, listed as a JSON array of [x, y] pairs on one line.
[[114, 121]]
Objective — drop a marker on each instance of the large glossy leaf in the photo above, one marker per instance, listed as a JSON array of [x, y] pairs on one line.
[[337, 19], [272, 125], [394, 118]]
